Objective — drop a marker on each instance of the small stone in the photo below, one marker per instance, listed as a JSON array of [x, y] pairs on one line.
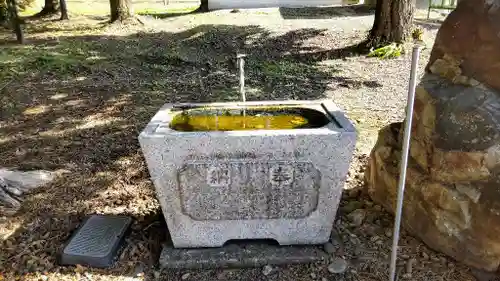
[[324, 279], [185, 276], [156, 274], [371, 217], [329, 248], [409, 266], [313, 275], [353, 193], [407, 275], [358, 251], [451, 265], [139, 269], [425, 256], [338, 266], [351, 206], [388, 232], [267, 270], [357, 217], [370, 230], [335, 241], [404, 256], [473, 82]]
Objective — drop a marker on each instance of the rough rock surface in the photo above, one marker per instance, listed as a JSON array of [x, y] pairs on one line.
[[452, 199], [15, 184]]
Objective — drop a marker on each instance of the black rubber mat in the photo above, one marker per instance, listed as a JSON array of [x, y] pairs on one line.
[[97, 242]]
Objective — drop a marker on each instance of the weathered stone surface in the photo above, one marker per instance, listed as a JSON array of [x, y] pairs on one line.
[[452, 199], [216, 186], [237, 256], [15, 184], [461, 220], [470, 37]]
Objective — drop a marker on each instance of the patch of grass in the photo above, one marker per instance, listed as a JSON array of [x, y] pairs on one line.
[[100, 8], [65, 58], [277, 69], [392, 50], [159, 11], [56, 62]]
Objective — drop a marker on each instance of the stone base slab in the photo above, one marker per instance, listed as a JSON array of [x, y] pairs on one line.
[[239, 256]]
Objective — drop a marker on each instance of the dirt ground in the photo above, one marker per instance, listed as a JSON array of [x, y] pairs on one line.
[[77, 95]]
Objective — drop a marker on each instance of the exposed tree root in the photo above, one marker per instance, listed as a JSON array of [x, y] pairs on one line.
[[132, 20]]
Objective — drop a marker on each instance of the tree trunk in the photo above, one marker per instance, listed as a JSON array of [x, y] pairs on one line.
[[16, 22], [393, 22], [121, 10], [4, 16], [64, 10], [51, 7], [203, 6]]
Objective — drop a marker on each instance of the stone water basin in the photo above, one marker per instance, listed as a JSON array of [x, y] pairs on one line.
[[247, 118], [266, 170]]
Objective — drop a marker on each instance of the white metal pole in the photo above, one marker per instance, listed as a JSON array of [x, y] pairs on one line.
[[404, 158]]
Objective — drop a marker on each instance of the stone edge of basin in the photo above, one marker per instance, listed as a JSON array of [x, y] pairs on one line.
[[160, 122]]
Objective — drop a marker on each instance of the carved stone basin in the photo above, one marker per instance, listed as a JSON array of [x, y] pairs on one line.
[[275, 171]]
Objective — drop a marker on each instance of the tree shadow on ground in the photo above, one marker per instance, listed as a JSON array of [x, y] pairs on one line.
[[41, 28], [336, 53], [326, 12], [166, 15], [172, 13], [80, 103]]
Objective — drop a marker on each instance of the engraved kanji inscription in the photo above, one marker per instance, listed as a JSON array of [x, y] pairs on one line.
[[218, 176], [281, 174], [239, 189]]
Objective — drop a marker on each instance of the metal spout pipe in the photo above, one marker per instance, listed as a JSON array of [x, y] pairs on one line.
[[241, 64]]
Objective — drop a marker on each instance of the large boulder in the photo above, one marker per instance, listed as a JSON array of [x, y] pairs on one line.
[[452, 196]]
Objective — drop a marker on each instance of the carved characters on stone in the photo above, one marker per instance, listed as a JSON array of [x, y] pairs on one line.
[[248, 189]]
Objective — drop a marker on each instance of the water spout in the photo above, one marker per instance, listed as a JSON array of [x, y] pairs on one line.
[[241, 64], [217, 120]]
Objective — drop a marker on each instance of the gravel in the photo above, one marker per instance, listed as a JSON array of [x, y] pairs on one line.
[[267, 270], [338, 266], [329, 248], [357, 217]]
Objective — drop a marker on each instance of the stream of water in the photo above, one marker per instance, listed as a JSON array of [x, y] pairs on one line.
[[241, 64]]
